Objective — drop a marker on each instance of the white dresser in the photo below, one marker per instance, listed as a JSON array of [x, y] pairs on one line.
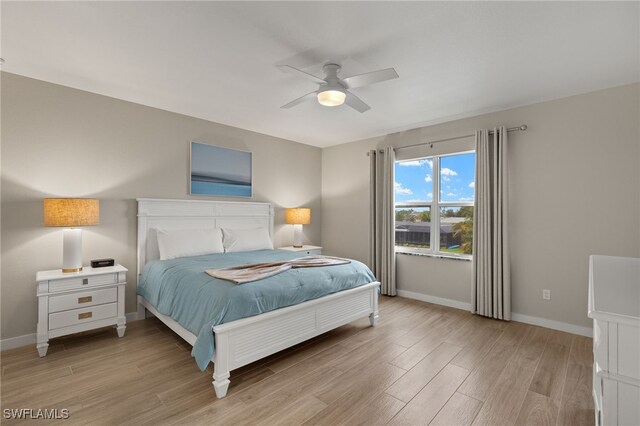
[[79, 301], [614, 305]]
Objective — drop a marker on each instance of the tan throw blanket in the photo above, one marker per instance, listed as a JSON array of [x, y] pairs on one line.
[[257, 271]]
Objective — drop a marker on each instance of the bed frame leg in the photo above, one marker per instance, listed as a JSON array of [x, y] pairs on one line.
[[373, 316], [221, 383], [221, 365]]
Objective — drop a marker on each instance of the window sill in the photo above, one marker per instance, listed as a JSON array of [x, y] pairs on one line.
[[437, 256]]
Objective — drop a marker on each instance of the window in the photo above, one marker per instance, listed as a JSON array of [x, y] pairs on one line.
[[434, 204]]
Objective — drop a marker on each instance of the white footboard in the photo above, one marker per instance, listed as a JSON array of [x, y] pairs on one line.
[[247, 340]]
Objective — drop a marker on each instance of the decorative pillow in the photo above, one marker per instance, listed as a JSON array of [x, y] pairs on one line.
[[246, 239], [189, 242]]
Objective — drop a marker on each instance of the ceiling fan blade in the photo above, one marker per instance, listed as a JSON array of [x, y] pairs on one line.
[[356, 103], [370, 78], [300, 73], [301, 99]]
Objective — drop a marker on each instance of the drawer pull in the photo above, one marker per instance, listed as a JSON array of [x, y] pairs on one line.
[[85, 281], [85, 299], [85, 315]]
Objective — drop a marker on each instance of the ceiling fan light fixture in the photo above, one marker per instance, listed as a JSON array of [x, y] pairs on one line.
[[333, 90], [331, 97]]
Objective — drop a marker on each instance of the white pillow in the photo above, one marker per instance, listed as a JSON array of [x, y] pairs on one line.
[[189, 242], [246, 239]]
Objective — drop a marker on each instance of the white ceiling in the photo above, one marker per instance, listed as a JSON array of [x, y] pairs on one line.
[[216, 60]]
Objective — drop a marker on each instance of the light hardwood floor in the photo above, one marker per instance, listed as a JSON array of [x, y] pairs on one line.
[[423, 364]]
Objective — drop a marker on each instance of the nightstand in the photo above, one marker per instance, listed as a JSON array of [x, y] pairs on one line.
[[79, 301], [305, 249]]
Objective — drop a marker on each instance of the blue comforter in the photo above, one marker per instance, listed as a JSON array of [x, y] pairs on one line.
[[182, 290]]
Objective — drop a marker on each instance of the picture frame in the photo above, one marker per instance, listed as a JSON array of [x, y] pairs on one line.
[[220, 172]]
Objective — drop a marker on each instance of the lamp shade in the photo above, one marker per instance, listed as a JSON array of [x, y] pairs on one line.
[[298, 216], [71, 212]]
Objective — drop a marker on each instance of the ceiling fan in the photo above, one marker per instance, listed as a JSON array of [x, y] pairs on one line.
[[333, 91]]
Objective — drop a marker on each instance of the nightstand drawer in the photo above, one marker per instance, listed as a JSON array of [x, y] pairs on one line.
[[313, 252], [308, 250], [73, 283], [83, 299], [79, 316]]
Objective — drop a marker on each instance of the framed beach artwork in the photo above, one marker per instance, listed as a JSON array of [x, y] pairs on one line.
[[220, 172]]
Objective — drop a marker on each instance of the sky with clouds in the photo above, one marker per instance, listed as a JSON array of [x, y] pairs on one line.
[[414, 179]]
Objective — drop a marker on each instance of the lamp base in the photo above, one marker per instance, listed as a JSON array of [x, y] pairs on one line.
[[297, 236], [72, 250]]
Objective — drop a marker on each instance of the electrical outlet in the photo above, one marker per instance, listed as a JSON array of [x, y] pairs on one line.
[[546, 294]]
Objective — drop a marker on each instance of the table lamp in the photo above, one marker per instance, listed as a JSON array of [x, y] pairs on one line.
[[298, 217], [71, 213]]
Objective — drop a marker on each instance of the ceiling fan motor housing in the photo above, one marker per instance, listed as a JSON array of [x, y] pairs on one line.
[[331, 79], [333, 92]]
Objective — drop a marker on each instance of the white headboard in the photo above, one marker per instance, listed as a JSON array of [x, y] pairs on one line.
[[194, 214]]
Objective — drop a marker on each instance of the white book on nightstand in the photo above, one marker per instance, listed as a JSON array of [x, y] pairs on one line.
[[304, 249]]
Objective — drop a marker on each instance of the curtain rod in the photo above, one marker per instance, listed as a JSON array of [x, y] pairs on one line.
[[510, 129]]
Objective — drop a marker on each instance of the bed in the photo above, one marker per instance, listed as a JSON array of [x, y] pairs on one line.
[[239, 339]]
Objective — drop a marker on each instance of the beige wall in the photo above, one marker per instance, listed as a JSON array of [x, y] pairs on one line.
[[58, 141], [575, 191]]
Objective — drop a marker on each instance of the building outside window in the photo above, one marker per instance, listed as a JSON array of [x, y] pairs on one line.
[[434, 204]]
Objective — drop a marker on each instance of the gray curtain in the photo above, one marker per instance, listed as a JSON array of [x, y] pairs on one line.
[[491, 278], [382, 226]]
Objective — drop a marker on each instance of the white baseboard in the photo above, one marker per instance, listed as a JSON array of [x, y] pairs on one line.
[[527, 319], [555, 325], [16, 342], [30, 339], [433, 299]]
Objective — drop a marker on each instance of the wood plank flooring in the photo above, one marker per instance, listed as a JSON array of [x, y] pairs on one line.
[[423, 364]]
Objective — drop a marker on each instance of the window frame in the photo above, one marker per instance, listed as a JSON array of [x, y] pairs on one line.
[[435, 205]]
